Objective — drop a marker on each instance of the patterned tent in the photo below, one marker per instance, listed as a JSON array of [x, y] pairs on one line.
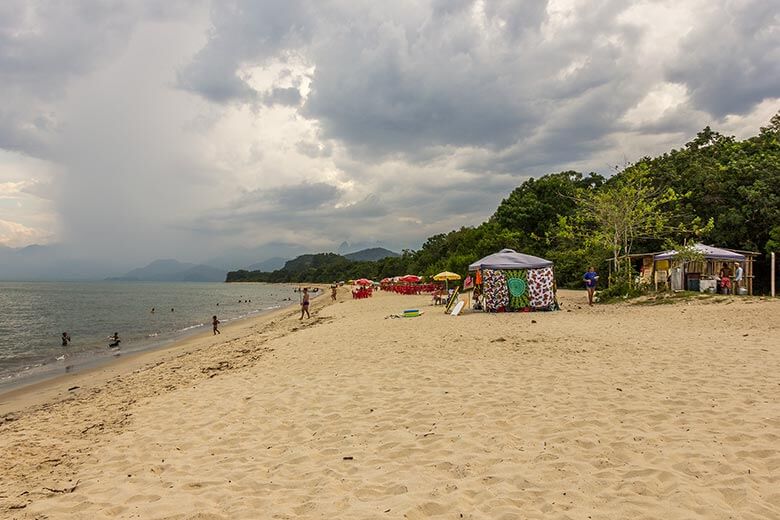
[[514, 281]]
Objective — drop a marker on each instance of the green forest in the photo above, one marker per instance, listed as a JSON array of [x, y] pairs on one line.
[[716, 189]]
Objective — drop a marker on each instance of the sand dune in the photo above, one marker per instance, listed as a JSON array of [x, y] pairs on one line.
[[620, 411]]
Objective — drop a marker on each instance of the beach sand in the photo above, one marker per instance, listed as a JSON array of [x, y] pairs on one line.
[[616, 411]]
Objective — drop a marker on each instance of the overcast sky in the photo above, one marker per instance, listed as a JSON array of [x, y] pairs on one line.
[[148, 129]]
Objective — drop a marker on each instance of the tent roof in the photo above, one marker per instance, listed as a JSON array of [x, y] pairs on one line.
[[709, 252], [510, 259]]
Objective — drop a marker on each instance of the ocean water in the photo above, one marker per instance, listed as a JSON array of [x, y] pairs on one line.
[[33, 316]]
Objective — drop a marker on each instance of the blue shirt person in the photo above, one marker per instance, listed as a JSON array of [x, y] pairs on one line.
[[590, 278]]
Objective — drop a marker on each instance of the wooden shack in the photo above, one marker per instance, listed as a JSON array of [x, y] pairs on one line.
[[663, 272]]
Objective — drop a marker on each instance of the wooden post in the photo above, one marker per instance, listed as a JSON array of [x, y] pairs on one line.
[[773, 275]]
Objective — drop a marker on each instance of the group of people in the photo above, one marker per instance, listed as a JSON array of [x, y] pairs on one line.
[[729, 278], [114, 340]]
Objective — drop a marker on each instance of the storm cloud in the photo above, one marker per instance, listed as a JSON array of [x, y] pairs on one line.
[[140, 131]]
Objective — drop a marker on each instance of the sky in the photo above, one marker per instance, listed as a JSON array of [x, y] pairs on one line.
[[138, 129]]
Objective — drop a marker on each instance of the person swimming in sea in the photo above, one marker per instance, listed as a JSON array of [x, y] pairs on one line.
[[65, 339]]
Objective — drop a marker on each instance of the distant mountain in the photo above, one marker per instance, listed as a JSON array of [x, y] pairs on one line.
[[272, 264], [173, 271], [371, 255], [49, 262]]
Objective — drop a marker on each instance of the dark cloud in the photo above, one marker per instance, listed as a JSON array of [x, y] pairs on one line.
[[731, 60], [244, 32]]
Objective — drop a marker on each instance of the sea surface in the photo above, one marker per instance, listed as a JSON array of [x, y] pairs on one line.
[[33, 316]]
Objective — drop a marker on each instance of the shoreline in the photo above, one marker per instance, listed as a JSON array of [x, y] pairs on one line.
[[39, 389], [609, 411]]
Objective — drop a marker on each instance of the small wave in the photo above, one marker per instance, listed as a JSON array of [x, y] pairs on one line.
[[185, 329], [60, 358], [272, 307], [153, 335]]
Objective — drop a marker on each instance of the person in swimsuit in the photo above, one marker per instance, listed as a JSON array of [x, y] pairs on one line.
[[65, 339], [114, 340], [305, 304], [215, 324]]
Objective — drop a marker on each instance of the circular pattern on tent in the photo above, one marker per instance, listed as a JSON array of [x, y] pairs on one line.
[[517, 286]]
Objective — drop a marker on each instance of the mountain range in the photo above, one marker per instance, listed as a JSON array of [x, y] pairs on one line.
[[55, 262], [170, 270], [370, 255]]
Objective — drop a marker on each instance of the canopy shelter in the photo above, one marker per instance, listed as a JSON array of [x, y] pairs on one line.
[[410, 278], [510, 259], [512, 281], [706, 274], [363, 281]]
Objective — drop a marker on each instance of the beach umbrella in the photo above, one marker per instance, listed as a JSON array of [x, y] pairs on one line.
[[446, 276], [411, 278], [364, 281], [385, 280]]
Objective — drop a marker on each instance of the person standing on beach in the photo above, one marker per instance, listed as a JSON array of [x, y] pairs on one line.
[[215, 324], [333, 289], [305, 303], [590, 278], [738, 275]]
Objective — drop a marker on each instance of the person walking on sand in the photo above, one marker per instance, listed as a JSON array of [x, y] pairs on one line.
[[305, 303], [333, 289], [215, 325], [590, 278]]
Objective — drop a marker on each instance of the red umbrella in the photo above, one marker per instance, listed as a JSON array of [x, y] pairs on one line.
[[386, 280], [364, 281], [411, 278]]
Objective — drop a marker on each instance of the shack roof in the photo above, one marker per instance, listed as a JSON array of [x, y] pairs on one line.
[[709, 252]]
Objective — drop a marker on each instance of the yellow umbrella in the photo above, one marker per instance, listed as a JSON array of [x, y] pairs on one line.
[[446, 276]]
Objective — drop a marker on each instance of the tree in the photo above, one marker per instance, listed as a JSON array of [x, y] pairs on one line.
[[628, 208]]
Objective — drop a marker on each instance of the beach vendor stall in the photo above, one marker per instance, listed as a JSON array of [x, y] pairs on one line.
[[512, 281], [717, 270]]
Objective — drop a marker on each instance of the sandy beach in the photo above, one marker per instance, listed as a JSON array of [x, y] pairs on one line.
[[616, 411]]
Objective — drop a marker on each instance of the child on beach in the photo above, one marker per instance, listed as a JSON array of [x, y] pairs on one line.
[[305, 303], [215, 324]]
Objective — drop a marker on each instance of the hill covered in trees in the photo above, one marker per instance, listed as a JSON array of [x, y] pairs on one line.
[[715, 189]]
